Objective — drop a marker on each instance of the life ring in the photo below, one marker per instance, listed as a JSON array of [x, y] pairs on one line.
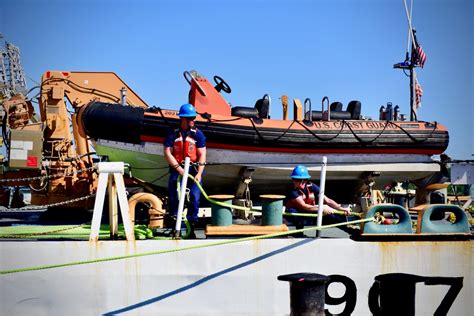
[[155, 212]]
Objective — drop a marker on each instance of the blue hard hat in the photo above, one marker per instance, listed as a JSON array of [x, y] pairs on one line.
[[187, 110], [300, 172]]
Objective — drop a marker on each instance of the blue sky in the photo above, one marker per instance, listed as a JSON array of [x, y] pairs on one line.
[[343, 49]]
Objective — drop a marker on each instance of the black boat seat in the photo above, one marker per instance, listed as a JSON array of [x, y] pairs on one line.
[[352, 112], [260, 110], [336, 115], [263, 107], [244, 111], [340, 115], [315, 116], [336, 106], [355, 108]]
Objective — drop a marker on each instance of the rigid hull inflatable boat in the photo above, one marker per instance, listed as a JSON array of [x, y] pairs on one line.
[[241, 139]]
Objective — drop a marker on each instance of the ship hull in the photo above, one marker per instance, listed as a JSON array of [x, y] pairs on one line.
[[231, 279]]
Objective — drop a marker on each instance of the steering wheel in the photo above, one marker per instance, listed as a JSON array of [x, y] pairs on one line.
[[221, 85]]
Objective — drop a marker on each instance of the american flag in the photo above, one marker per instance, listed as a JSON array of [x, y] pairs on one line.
[[418, 94], [420, 56]]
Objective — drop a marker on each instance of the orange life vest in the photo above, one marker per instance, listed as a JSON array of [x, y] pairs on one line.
[[307, 198], [185, 148], [310, 198]]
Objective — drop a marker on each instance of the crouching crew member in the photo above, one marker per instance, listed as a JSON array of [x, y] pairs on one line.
[[185, 141], [303, 198]]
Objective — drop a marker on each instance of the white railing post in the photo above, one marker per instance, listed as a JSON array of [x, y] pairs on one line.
[[322, 184], [182, 196]]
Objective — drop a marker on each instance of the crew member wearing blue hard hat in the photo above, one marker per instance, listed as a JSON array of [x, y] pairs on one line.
[[185, 141], [303, 198]]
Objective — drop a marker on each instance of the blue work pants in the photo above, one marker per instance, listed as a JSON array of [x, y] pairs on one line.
[[194, 195]]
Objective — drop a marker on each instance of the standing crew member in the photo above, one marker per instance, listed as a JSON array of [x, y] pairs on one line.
[[185, 141], [302, 199]]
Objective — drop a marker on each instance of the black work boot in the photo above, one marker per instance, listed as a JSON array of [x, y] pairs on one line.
[[170, 223]]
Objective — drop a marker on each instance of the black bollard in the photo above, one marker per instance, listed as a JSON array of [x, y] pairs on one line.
[[307, 293]]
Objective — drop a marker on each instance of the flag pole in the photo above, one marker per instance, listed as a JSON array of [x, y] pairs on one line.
[[412, 95], [411, 66], [413, 116]]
